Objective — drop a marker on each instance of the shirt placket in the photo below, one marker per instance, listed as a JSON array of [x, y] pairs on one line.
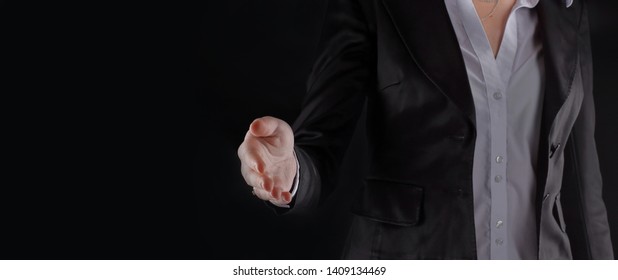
[[497, 86], [496, 95], [496, 73]]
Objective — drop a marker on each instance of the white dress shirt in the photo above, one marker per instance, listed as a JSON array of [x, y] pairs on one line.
[[508, 93]]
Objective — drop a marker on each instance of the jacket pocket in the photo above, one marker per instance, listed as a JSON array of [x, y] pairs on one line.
[[389, 202]]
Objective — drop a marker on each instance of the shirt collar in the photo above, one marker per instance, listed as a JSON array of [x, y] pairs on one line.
[[526, 3], [568, 3]]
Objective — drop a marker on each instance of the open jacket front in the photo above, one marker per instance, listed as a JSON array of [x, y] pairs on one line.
[[402, 59]]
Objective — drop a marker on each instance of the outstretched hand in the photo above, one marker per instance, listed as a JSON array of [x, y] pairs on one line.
[[268, 163]]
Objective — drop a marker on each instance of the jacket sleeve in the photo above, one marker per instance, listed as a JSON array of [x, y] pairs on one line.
[[588, 174], [342, 75]]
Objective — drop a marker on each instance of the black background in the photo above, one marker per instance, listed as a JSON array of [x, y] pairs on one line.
[[121, 124]]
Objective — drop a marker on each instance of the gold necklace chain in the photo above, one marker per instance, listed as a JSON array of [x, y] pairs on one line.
[[493, 10]]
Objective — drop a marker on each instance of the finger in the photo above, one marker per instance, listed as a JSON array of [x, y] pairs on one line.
[[255, 179], [286, 197], [265, 127], [279, 187], [252, 155], [274, 193], [281, 197], [252, 178], [262, 194]]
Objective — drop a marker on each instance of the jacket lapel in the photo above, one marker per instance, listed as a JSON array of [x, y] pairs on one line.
[[560, 29], [426, 30]]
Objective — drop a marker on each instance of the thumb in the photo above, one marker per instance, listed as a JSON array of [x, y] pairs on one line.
[[265, 127]]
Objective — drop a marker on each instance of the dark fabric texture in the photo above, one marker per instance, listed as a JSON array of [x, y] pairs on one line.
[[402, 59]]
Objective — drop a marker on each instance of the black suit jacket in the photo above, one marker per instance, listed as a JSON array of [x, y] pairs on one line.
[[401, 58]]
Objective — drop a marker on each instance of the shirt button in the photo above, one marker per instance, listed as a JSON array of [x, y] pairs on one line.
[[499, 224], [499, 242], [498, 179], [499, 159], [546, 196], [497, 95]]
